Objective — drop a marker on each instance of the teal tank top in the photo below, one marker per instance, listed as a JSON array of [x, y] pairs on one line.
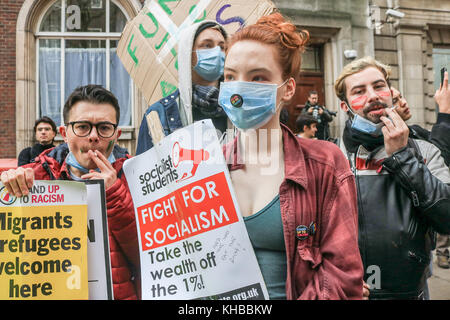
[[265, 230]]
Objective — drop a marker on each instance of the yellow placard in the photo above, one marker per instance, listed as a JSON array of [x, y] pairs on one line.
[[43, 252]]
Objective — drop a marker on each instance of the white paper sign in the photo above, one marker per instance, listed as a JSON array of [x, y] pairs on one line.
[[192, 237], [99, 264]]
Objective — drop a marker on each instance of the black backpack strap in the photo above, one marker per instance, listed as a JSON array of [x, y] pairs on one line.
[[47, 169]]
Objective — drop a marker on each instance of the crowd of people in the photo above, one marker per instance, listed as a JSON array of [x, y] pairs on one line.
[[381, 198]]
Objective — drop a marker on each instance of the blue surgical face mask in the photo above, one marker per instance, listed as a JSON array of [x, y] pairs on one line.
[[366, 126], [249, 105], [363, 125], [210, 63]]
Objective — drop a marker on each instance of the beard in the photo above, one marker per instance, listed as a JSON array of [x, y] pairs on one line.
[[373, 106]]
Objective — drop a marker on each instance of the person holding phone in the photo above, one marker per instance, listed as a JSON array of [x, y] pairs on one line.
[[440, 132]]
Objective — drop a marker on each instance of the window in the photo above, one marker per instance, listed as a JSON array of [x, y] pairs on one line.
[[76, 45], [311, 60], [441, 58]]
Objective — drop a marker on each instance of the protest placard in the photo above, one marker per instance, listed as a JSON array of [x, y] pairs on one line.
[[99, 264], [43, 235], [148, 45], [192, 238], [57, 198]]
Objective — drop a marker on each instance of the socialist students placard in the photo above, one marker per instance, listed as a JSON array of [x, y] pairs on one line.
[[193, 241]]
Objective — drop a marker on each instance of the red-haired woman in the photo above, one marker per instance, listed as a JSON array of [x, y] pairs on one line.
[[297, 197]]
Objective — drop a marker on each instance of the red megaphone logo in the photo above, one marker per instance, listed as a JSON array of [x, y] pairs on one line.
[[180, 154]]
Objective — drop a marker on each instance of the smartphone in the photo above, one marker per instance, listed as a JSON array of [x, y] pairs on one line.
[[443, 70]]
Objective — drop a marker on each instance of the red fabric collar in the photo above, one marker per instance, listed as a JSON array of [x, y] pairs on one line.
[[294, 159]]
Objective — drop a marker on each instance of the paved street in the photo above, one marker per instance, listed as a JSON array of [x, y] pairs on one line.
[[439, 283]]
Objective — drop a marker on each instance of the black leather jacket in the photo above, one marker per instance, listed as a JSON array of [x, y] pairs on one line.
[[400, 201], [439, 135]]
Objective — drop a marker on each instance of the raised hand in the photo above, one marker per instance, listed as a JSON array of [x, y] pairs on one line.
[[395, 132], [107, 173]]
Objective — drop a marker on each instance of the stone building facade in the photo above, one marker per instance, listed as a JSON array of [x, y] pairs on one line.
[[411, 45], [414, 46], [334, 27]]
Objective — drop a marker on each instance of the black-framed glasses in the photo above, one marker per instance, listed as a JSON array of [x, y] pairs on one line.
[[82, 129]]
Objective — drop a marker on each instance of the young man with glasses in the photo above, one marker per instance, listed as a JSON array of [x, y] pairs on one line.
[[91, 116]]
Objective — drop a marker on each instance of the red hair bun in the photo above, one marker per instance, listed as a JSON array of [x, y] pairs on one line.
[[276, 31]]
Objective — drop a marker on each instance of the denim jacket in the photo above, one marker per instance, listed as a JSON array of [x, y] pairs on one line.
[[169, 116]]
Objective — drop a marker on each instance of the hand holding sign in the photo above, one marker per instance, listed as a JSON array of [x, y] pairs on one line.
[[18, 181]]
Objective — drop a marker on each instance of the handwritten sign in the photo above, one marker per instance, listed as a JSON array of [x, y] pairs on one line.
[[193, 240], [148, 45]]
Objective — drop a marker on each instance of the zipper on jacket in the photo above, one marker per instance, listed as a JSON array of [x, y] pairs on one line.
[[415, 198], [414, 195], [416, 257], [360, 221]]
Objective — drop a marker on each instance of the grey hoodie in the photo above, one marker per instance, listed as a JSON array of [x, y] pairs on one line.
[[185, 70]]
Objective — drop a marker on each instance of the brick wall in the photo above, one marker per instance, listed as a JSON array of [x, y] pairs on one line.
[[9, 10]]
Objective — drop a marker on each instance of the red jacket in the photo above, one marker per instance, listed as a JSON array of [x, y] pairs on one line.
[[123, 243], [318, 187]]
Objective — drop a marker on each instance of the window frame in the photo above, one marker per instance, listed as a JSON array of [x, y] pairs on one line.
[[442, 50], [62, 36]]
